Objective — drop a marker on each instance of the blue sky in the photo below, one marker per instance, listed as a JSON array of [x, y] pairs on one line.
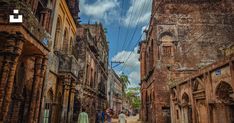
[[124, 21]]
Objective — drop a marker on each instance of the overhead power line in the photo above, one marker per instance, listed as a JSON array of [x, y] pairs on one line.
[[123, 67], [138, 20], [121, 15], [193, 39], [128, 25]]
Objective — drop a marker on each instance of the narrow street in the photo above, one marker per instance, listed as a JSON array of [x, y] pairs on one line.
[[131, 119], [84, 61]]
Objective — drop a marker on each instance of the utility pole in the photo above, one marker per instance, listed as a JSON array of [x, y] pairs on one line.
[[111, 83], [117, 63]]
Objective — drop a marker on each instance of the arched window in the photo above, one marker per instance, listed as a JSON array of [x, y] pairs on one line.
[[65, 41], [186, 109], [167, 46], [57, 35], [185, 99], [70, 45], [224, 92]]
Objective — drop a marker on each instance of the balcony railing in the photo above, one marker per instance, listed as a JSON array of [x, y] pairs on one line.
[[30, 22], [68, 64]]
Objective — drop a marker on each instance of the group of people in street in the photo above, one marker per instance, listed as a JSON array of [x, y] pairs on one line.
[[101, 117]]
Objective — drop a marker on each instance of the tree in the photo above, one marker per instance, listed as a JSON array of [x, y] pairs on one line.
[[125, 81], [133, 95]]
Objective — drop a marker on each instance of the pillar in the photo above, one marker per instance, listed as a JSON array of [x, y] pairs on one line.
[[18, 99], [37, 78], [42, 75], [14, 45], [5, 71], [66, 89], [73, 91]]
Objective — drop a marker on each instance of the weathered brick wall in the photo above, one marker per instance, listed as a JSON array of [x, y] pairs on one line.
[[210, 93], [183, 36]]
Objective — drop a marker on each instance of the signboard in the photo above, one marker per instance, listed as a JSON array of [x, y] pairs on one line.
[[45, 42], [218, 72]]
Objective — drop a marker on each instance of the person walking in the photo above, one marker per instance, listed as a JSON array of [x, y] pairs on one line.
[[108, 115], [103, 117], [83, 117], [122, 118], [98, 116]]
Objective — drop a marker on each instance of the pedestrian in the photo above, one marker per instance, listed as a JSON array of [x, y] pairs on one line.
[[83, 117], [108, 114], [103, 117], [122, 118], [98, 116]]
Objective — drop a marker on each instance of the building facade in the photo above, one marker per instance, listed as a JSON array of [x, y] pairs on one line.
[[62, 73], [23, 58], [93, 71], [114, 92], [38, 67], [183, 37], [207, 96]]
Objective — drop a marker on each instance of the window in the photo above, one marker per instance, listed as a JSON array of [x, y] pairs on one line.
[[167, 51], [65, 41], [46, 113], [57, 34], [70, 45]]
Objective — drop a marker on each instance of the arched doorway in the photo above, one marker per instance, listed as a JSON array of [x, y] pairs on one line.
[[186, 109], [48, 107], [224, 109], [77, 108], [58, 108]]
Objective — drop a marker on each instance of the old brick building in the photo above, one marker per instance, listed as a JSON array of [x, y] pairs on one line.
[[62, 73], [206, 96], [183, 37], [23, 58], [39, 68], [115, 92], [93, 58]]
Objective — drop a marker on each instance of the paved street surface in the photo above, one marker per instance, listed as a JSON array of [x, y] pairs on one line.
[[131, 119]]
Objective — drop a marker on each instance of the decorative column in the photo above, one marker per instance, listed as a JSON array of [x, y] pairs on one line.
[[37, 78], [73, 91], [13, 50], [5, 72], [42, 74], [66, 89], [17, 98]]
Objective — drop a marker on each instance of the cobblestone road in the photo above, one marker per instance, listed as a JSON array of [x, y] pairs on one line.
[[131, 119]]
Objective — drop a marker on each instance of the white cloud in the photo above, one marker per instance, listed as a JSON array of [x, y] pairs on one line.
[[100, 10], [134, 78], [142, 31], [132, 60], [138, 13], [132, 65]]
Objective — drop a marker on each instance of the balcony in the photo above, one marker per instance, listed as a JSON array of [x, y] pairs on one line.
[[30, 22], [68, 64]]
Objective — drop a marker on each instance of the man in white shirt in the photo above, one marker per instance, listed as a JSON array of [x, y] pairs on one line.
[[122, 118]]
